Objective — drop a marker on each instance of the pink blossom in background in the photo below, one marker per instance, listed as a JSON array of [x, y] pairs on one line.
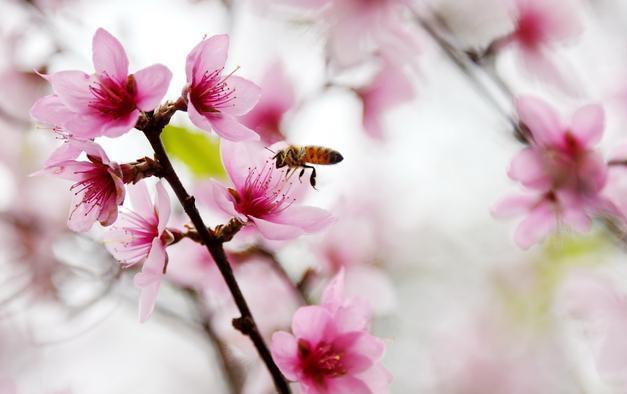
[[277, 97], [99, 188], [540, 26], [140, 236], [330, 349], [214, 100], [106, 103], [389, 88], [358, 29], [563, 173], [262, 196]]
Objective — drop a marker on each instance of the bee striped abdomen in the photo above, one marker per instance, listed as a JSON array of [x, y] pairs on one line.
[[321, 155]]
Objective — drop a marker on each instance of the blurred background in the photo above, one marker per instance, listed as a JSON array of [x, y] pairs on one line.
[[462, 309]]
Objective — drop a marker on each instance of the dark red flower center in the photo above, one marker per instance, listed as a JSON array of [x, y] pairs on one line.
[[211, 92], [112, 98], [97, 186], [320, 361], [529, 30]]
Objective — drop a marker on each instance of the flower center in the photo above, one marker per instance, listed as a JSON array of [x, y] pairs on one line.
[[530, 31], [97, 186], [212, 92], [264, 193], [321, 361], [112, 98]]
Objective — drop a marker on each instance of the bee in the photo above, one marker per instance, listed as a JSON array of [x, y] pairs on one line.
[[295, 157]]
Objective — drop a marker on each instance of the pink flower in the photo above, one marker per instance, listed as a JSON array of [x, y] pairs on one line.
[[330, 349], [277, 97], [262, 196], [389, 88], [539, 25], [141, 236], [215, 100], [108, 102], [562, 169], [99, 187]]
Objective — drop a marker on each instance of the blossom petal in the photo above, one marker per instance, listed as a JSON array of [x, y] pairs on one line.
[[285, 353], [72, 88], [209, 55], [228, 127], [66, 152], [239, 158], [162, 206], [312, 323], [537, 226], [347, 384], [541, 119], [109, 56], [246, 95], [152, 85], [276, 231], [149, 279], [309, 219], [51, 110], [588, 124], [528, 168], [514, 205], [140, 199], [82, 216]]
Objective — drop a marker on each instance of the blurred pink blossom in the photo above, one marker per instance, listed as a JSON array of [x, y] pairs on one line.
[[106, 103], [99, 188], [215, 100], [539, 26], [140, 236], [277, 97], [564, 173], [262, 196], [389, 88], [330, 349]]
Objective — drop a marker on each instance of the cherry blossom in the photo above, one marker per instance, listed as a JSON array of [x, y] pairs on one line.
[[330, 349], [141, 236], [262, 196], [106, 103], [216, 100]]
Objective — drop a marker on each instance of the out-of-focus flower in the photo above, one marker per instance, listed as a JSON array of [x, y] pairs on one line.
[[389, 88], [539, 26], [141, 236], [108, 102], [357, 29], [330, 349], [262, 196], [562, 169], [99, 187], [216, 100], [277, 97]]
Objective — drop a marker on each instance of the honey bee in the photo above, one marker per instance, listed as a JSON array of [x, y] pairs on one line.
[[295, 157]]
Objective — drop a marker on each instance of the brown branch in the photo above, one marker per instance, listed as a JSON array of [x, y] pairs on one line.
[[152, 125]]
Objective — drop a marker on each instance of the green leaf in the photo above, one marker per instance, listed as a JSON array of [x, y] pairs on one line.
[[198, 151]]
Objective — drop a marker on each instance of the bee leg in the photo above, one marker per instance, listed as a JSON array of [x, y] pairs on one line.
[[302, 172], [312, 178]]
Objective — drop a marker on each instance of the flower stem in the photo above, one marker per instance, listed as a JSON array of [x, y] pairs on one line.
[[245, 323]]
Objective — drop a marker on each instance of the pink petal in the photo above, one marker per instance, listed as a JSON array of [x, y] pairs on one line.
[[514, 205], [149, 279], [369, 346], [588, 124], [223, 199], [117, 127], [239, 158], [285, 353], [528, 168], [377, 378], [275, 231], [95, 125], [334, 292], [109, 56], [66, 152], [540, 118], [51, 110], [152, 85], [72, 88], [347, 384], [140, 200], [92, 149], [197, 118], [228, 127], [109, 211], [246, 95], [312, 323], [277, 88], [537, 226], [70, 169], [162, 206], [309, 219], [81, 218], [372, 122], [209, 55]]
